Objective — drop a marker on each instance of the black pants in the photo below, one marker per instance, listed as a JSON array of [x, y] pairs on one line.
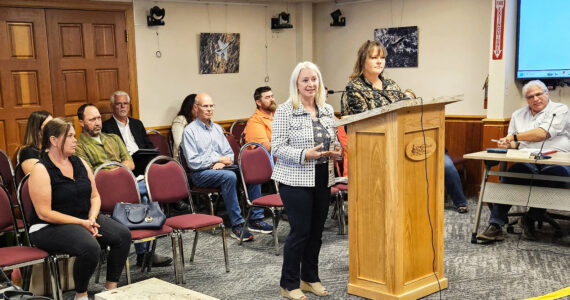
[[307, 209], [77, 241]]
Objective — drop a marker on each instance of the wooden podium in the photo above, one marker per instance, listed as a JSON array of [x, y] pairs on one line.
[[390, 240]]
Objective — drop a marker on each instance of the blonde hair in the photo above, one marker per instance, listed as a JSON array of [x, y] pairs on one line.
[[320, 97], [363, 52]]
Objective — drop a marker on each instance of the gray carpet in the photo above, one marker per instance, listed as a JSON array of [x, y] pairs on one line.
[[512, 269]]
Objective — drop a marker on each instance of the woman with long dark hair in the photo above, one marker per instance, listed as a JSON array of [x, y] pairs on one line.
[[29, 153], [186, 114]]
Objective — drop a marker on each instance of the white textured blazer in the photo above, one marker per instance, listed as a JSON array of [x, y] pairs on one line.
[[291, 136]]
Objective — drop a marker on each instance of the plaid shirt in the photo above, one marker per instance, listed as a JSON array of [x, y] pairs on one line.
[[95, 154], [291, 136]]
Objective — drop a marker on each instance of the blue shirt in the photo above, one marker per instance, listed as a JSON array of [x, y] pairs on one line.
[[204, 146]]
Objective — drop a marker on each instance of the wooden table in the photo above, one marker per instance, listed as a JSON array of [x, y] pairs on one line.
[[511, 194]]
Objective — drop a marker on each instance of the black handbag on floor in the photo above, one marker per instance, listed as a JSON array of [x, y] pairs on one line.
[[139, 216]]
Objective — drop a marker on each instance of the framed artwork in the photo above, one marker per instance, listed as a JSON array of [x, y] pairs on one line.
[[219, 53], [401, 44]]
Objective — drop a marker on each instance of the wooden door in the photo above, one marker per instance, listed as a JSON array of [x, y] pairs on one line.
[[88, 57], [24, 72]]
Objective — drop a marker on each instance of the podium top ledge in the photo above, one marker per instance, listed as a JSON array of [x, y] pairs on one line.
[[395, 106]]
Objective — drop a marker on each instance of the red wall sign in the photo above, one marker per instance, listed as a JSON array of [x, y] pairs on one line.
[[498, 29]]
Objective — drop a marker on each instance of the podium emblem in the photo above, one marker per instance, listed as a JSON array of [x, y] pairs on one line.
[[417, 150]]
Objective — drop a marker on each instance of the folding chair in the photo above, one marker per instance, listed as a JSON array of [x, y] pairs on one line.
[[23, 256], [167, 183], [160, 142], [116, 183], [256, 167]]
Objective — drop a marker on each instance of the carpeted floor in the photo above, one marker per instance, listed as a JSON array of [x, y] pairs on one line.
[[512, 269]]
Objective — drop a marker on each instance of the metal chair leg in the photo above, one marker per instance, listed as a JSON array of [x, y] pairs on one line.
[[57, 279], [244, 227], [225, 248], [55, 287], [275, 223], [128, 271], [149, 266], [173, 238], [181, 250], [194, 246]]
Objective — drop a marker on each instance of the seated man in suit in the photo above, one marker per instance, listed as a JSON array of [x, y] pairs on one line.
[[131, 131], [97, 148], [542, 122], [207, 152]]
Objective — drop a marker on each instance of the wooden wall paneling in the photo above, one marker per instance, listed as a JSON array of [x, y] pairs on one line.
[[25, 84], [493, 129], [88, 54], [463, 134]]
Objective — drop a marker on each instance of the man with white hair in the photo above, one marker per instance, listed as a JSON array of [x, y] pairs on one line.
[[131, 130], [542, 124]]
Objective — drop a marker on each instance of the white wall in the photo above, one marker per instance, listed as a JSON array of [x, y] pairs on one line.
[[164, 82], [505, 93], [452, 51]]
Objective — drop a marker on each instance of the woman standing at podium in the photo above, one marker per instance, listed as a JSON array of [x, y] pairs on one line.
[[303, 132], [367, 87]]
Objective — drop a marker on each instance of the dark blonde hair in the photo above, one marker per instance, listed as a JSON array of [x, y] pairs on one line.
[[55, 127], [363, 52], [33, 135]]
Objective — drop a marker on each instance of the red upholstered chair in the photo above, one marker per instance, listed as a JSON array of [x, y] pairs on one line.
[[256, 167], [7, 175], [237, 129], [166, 183], [116, 183], [207, 191], [23, 256], [338, 191], [233, 141], [160, 142]]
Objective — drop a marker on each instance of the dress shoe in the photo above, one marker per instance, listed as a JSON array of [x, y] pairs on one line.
[[156, 260]]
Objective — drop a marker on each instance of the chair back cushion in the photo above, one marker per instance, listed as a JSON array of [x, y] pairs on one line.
[[255, 165], [5, 209], [161, 143], [116, 185], [166, 182], [26, 199], [234, 144], [6, 171]]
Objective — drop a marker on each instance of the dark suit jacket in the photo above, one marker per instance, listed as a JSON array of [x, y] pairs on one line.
[[137, 129]]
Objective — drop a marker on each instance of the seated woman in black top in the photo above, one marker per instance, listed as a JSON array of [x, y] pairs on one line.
[[66, 210], [30, 151]]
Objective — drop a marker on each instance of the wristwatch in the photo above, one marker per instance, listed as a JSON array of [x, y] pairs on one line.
[[515, 137]]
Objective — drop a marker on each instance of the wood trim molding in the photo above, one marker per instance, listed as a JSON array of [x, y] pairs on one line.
[[69, 4], [126, 7]]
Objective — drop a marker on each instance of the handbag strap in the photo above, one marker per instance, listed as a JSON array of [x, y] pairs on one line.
[[132, 219]]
